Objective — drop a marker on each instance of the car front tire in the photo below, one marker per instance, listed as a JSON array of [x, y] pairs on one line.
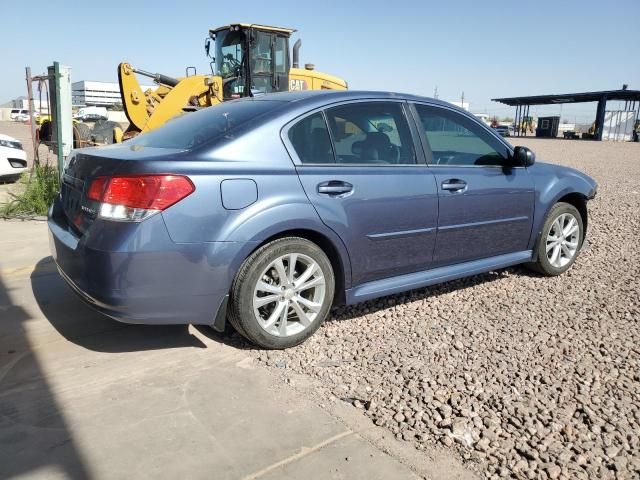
[[282, 293], [560, 240]]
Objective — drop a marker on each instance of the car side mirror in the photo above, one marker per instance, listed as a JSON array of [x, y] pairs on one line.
[[523, 157]]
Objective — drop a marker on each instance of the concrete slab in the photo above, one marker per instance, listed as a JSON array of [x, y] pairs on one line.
[[346, 458], [82, 396]]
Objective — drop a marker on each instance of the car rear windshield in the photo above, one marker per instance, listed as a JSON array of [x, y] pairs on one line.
[[191, 130]]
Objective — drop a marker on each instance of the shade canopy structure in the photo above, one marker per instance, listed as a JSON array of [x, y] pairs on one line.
[[522, 104]]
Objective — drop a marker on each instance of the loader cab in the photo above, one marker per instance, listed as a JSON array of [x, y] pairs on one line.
[[251, 59]]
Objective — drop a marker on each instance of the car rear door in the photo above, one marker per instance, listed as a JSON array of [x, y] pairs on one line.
[[361, 170], [485, 205]]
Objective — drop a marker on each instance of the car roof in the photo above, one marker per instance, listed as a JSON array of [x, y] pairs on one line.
[[299, 102], [312, 97]]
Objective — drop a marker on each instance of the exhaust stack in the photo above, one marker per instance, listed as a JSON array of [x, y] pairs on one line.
[[296, 53]]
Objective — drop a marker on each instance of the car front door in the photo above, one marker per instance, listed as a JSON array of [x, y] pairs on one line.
[[359, 168], [485, 205]]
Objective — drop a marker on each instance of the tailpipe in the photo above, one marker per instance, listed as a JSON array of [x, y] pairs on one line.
[[296, 53]]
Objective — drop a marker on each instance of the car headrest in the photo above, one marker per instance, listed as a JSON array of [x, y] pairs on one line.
[[357, 147], [378, 139]]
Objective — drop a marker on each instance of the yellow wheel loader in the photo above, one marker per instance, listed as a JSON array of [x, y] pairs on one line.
[[247, 60]]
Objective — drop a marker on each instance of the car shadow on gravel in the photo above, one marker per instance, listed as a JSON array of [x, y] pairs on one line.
[[344, 313], [229, 337], [372, 306], [82, 325]]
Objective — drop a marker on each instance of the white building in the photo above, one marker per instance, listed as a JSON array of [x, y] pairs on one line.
[[40, 106], [98, 94]]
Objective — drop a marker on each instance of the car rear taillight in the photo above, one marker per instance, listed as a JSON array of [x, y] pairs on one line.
[[136, 197]]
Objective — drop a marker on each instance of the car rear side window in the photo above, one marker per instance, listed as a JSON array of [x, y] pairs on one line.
[[371, 133], [311, 141], [457, 140], [191, 130]]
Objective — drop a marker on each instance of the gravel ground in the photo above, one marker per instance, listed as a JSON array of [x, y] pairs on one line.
[[520, 375]]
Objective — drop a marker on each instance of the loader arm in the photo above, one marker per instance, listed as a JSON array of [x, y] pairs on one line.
[[151, 109], [133, 98]]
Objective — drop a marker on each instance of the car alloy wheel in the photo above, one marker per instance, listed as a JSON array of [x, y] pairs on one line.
[[559, 240], [562, 240], [289, 294]]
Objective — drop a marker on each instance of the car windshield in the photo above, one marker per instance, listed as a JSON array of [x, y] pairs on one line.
[[191, 130]]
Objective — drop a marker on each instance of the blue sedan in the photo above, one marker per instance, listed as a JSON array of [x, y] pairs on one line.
[[267, 211]]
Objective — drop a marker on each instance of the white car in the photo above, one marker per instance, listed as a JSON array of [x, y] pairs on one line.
[[24, 117], [15, 112], [505, 130], [13, 159]]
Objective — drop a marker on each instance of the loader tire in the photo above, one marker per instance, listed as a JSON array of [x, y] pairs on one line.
[[45, 132], [81, 135], [104, 132]]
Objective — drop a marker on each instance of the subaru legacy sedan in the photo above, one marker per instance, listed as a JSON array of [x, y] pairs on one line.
[[266, 211]]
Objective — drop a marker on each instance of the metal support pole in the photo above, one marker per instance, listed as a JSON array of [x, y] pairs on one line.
[[522, 110], [58, 107], [602, 106], [517, 121], [31, 112], [520, 115]]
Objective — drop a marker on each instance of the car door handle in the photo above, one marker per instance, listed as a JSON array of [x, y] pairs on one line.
[[454, 185], [334, 187]]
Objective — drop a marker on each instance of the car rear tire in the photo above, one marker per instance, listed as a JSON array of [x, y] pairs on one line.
[[560, 240], [282, 293]]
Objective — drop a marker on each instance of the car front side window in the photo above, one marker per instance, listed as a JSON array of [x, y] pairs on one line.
[[456, 140]]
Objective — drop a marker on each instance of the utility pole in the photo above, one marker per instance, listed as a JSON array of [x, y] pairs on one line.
[[435, 92], [31, 114], [60, 96], [462, 100]]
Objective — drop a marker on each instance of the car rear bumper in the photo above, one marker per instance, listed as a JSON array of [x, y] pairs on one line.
[[134, 273]]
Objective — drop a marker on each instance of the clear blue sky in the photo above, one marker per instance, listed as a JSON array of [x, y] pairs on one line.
[[486, 49]]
